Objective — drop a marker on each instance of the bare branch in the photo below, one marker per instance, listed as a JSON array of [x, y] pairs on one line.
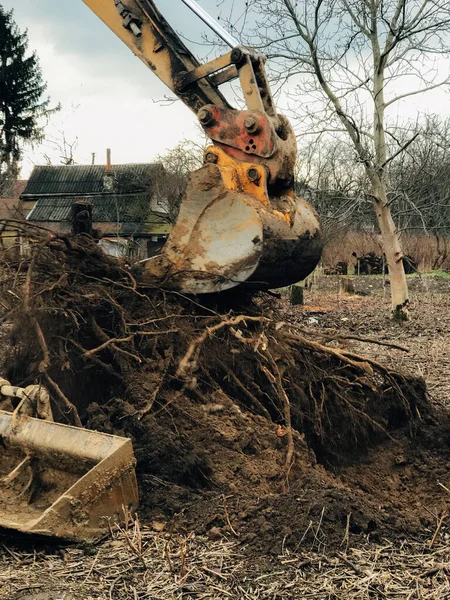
[[416, 92]]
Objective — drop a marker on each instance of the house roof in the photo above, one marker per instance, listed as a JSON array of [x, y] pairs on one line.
[[125, 209], [87, 179], [125, 201]]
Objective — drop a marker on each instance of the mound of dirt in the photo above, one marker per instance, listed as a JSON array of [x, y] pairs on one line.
[[241, 425]]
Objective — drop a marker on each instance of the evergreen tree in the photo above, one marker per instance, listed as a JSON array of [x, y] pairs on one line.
[[22, 100]]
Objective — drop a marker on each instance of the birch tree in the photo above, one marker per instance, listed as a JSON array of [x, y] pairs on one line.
[[355, 66]]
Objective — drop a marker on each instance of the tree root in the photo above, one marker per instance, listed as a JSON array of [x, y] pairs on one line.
[[150, 348]]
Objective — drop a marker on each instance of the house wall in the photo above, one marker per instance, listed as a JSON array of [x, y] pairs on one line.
[[141, 247], [66, 227], [8, 210], [26, 206], [9, 236]]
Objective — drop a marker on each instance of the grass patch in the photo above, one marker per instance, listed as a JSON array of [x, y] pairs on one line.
[[439, 273]]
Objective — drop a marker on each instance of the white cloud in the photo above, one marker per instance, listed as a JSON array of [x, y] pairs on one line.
[[86, 66], [117, 98]]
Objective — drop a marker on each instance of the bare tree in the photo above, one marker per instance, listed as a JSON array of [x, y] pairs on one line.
[[353, 62], [161, 184], [331, 178], [420, 182], [178, 163], [61, 145]]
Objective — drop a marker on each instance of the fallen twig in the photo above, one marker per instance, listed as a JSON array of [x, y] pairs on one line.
[[438, 528], [227, 516]]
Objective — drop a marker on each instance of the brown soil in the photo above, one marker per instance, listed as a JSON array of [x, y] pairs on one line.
[[211, 445], [426, 334], [194, 455]]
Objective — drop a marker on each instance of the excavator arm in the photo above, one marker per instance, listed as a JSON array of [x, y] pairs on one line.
[[140, 25], [240, 221]]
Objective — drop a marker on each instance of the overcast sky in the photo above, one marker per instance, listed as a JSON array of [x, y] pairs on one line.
[[109, 98]]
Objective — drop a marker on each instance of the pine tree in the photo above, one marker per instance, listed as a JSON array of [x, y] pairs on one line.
[[22, 100]]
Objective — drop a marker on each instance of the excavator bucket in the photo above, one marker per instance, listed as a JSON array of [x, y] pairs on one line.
[[63, 481], [228, 235], [216, 242]]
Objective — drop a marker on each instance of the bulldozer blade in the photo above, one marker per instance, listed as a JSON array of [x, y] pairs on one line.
[[63, 481]]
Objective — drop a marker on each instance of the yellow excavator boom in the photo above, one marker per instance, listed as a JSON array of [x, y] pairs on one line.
[[240, 221], [140, 25]]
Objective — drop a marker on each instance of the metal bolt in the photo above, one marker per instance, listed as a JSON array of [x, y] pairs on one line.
[[204, 116], [210, 158], [253, 175], [251, 124], [236, 55]]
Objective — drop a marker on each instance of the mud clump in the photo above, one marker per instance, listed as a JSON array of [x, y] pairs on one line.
[[241, 425]]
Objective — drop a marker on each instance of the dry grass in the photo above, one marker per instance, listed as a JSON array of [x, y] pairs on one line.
[[426, 250], [142, 563]]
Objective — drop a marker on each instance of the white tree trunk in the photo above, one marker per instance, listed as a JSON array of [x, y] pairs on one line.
[[393, 251], [377, 174]]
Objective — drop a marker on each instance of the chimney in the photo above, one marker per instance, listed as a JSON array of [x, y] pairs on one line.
[[108, 178]]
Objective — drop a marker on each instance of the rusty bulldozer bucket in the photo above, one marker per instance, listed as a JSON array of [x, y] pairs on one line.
[[63, 481]]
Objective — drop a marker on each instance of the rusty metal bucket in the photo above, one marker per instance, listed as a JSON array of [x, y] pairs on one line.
[[63, 481]]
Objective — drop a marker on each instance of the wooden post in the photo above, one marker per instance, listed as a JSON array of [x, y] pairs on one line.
[[296, 295], [346, 286]]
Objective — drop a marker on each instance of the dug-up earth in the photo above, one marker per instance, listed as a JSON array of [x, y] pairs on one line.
[[217, 520]]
